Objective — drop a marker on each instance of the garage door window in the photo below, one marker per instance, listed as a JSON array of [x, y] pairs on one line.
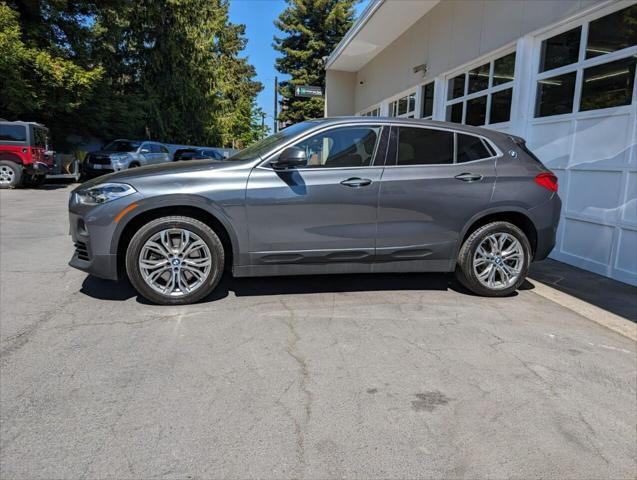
[[483, 94], [601, 75], [374, 112], [427, 95], [403, 107]]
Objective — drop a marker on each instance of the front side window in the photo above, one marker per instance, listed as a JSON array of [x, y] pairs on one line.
[[424, 146], [342, 147], [13, 133]]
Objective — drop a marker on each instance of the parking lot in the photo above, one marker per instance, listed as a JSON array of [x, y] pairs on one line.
[[388, 376]]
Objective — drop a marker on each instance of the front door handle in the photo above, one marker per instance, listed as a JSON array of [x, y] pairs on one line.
[[356, 182], [469, 177]]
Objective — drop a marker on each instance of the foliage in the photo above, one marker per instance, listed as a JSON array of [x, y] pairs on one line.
[[311, 30], [169, 70]]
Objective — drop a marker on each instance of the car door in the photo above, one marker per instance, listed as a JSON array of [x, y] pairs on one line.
[[164, 154], [435, 181], [146, 153], [324, 212]]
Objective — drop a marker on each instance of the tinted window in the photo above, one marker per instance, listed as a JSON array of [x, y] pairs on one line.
[[341, 147], [39, 137], [470, 148], [454, 113], [428, 100], [456, 87], [155, 148], [479, 78], [503, 69], [501, 106], [563, 49], [555, 95], [476, 111], [612, 32], [13, 133], [608, 85], [423, 146]]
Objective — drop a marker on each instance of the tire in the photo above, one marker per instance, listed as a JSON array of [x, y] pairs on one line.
[[34, 181], [485, 272], [172, 228], [134, 165], [10, 174]]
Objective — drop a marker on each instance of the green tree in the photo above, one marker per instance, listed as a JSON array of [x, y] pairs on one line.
[[311, 29], [39, 83]]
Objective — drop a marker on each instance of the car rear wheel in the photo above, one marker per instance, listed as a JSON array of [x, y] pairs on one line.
[[494, 260], [10, 174], [175, 260]]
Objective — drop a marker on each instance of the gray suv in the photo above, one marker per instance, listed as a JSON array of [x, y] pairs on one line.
[[123, 154], [343, 195]]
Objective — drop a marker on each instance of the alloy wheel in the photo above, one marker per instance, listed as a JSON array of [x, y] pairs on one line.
[[498, 261], [7, 174], [175, 262]]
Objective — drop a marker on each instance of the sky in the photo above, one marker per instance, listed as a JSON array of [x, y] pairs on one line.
[[258, 16]]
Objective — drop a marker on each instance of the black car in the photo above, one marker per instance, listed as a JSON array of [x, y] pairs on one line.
[[197, 154]]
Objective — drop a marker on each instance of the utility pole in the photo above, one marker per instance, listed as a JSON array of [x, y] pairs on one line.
[[276, 104], [262, 124]]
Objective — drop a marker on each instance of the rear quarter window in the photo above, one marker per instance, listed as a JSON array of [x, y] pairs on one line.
[[470, 148], [13, 133]]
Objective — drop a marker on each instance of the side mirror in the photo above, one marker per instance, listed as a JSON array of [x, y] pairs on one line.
[[144, 150], [291, 157]]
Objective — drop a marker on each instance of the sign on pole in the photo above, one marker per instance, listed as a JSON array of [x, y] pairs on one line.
[[308, 91]]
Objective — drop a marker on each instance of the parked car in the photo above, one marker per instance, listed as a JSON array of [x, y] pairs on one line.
[[346, 195], [197, 153], [123, 154], [24, 154]]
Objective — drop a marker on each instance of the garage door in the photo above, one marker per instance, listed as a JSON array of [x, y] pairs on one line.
[[583, 126]]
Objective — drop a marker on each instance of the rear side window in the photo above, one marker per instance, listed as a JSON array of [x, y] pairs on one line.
[[424, 146], [13, 133], [470, 148]]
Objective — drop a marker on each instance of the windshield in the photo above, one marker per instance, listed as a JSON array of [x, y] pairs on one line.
[[122, 146], [264, 146]]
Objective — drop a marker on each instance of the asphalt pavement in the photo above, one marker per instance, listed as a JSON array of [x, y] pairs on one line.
[[386, 376]]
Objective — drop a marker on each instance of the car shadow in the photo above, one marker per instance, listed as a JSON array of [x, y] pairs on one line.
[[261, 286]]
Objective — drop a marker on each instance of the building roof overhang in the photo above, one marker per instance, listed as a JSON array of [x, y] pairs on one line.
[[382, 22]]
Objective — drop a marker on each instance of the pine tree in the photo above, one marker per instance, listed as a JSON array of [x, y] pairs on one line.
[[311, 30]]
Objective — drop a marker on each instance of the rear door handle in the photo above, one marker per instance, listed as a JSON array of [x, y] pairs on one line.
[[356, 182], [468, 177]]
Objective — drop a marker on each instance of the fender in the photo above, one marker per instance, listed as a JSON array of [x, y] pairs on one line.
[[176, 201], [503, 208], [11, 157]]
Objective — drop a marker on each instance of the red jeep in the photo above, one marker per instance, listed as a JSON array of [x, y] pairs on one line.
[[24, 156]]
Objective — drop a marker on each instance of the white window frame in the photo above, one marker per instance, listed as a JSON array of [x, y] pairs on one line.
[[464, 70], [371, 112], [577, 67], [406, 93]]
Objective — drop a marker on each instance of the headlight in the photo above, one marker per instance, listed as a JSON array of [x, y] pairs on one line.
[[105, 192]]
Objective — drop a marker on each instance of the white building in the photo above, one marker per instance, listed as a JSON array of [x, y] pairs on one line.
[[560, 73]]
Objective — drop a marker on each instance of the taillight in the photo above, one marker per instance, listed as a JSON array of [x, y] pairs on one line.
[[547, 180]]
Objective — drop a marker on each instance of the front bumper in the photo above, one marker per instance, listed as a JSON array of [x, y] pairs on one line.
[[92, 230]]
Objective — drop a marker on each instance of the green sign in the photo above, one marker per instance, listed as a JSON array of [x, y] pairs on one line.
[[308, 91]]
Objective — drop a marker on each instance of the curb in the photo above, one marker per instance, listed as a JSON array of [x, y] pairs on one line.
[[595, 314]]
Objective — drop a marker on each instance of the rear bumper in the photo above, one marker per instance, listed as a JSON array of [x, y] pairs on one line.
[[546, 218]]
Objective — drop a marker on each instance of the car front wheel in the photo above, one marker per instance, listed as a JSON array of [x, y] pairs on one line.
[[494, 260], [175, 260]]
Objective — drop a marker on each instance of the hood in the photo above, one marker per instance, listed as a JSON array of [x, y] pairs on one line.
[[162, 170]]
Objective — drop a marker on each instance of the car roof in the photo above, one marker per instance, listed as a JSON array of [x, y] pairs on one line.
[[485, 132]]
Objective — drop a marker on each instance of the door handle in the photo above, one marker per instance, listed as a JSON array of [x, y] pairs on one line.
[[468, 177], [356, 182]]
